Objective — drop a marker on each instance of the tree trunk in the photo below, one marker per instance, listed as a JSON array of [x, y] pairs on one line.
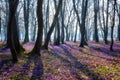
[[63, 25], [53, 25], [26, 20], [6, 25], [34, 32], [57, 40], [37, 47], [11, 25], [67, 34], [76, 32], [105, 28], [0, 23], [119, 29], [95, 20], [82, 24], [47, 20], [112, 27]]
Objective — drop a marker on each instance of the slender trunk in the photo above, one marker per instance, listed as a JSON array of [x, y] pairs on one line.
[[6, 25], [63, 25], [66, 28], [0, 18], [99, 16], [105, 28], [78, 18], [53, 25], [95, 20], [55, 33], [47, 20], [82, 27], [112, 27], [34, 32], [119, 29], [26, 20], [0, 23], [62, 32], [67, 34], [57, 40], [76, 32], [7, 21]]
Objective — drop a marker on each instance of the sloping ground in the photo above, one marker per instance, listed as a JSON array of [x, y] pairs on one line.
[[65, 62]]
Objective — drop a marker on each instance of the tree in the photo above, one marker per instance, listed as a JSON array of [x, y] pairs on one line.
[[82, 27], [62, 22], [26, 20], [47, 20], [33, 21], [12, 28], [96, 9], [6, 21], [38, 43], [112, 26], [0, 20], [78, 18], [105, 23], [57, 38], [47, 39], [118, 13], [83, 18], [76, 32]]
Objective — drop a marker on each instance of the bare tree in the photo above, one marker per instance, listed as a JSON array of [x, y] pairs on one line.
[[62, 22], [105, 23], [53, 25], [83, 18], [12, 28], [96, 9], [26, 19], [0, 18], [112, 26], [57, 38], [38, 43], [118, 13]]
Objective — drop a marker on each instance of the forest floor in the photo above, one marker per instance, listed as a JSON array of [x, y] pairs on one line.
[[65, 62]]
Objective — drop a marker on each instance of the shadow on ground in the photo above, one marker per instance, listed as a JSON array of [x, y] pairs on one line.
[[106, 51], [74, 63], [37, 72], [5, 65]]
